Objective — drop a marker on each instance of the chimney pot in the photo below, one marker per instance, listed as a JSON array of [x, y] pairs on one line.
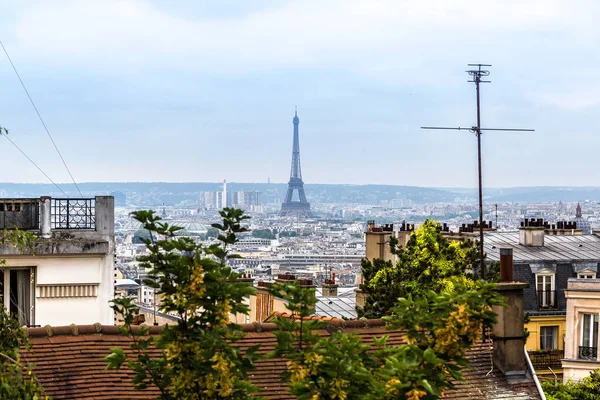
[[506, 265]]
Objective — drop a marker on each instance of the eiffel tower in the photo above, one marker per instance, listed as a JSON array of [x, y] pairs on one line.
[[299, 207]]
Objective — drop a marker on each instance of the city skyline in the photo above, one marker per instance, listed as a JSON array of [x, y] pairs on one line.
[[135, 91]]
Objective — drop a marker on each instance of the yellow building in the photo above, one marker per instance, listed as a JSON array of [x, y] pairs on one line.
[[546, 344]]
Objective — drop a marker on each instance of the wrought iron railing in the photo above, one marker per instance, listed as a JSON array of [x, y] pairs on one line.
[[73, 213], [547, 299], [541, 360], [588, 353], [21, 214]]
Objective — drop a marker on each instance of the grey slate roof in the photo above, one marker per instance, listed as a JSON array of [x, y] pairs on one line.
[[573, 248], [342, 306]]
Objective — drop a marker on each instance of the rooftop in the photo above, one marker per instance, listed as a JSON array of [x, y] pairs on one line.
[[69, 363], [556, 248]]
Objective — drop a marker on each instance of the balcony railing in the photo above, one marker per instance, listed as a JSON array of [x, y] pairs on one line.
[[541, 360], [73, 213], [21, 214], [588, 353], [547, 299]]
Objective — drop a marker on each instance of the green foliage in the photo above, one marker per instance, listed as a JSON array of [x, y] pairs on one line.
[[212, 233], [587, 388], [23, 241], [263, 234], [288, 234], [439, 328], [332, 367], [428, 262], [198, 358], [139, 235], [17, 381]]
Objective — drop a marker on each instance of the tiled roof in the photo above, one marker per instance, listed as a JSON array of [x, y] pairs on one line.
[[68, 363], [295, 317]]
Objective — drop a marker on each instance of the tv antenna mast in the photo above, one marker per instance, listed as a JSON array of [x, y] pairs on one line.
[[477, 73]]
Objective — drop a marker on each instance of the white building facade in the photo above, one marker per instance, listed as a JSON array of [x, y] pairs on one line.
[[67, 277], [581, 339]]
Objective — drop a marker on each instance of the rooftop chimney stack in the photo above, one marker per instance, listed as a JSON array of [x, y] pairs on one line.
[[509, 338], [531, 233], [330, 288], [506, 265]]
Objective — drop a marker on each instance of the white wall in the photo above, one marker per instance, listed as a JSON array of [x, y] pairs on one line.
[[57, 270]]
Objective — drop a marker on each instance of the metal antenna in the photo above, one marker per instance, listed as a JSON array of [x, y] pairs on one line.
[[477, 74], [496, 205]]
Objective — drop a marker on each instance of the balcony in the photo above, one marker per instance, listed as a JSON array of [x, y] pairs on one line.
[[23, 214], [587, 353], [73, 213], [46, 213], [544, 359], [547, 299]]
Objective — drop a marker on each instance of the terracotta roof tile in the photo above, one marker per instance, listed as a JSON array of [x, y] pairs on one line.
[[68, 363]]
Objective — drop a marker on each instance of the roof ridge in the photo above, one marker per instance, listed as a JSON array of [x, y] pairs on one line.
[[77, 330]]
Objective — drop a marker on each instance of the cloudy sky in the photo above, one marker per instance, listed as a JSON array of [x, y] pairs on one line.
[[205, 91]]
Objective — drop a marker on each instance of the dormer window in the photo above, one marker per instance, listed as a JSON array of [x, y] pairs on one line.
[[546, 293], [586, 274]]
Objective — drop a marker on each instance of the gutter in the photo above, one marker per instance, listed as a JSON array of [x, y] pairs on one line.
[[534, 376]]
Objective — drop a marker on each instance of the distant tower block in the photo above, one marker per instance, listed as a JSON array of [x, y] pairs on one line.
[[299, 207]]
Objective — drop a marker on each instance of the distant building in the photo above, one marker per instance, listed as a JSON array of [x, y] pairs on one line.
[[68, 276], [582, 223], [249, 200]]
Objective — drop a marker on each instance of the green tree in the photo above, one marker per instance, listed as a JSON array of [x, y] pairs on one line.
[[198, 357], [17, 381], [439, 329], [263, 234], [212, 232], [288, 234], [587, 388], [429, 261]]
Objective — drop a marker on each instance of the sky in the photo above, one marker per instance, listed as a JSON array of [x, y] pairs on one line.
[[205, 91]]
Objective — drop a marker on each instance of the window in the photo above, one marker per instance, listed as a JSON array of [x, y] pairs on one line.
[[586, 275], [545, 290], [588, 348], [16, 293], [548, 337]]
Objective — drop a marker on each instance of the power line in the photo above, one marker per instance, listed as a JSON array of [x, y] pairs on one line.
[[37, 166], [41, 119]]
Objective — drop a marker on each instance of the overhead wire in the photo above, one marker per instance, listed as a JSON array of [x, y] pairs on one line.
[[33, 162], [41, 119]]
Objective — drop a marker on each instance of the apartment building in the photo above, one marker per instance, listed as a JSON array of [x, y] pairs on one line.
[[67, 276]]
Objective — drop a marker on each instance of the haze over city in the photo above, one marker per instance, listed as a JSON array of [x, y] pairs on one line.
[[154, 91]]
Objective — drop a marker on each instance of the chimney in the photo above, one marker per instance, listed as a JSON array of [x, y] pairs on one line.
[[265, 301], [370, 225], [506, 265], [404, 234], [330, 288], [508, 332], [246, 278], [531, 233]]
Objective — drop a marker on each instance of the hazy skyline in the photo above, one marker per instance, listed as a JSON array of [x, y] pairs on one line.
[[156, 91]]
